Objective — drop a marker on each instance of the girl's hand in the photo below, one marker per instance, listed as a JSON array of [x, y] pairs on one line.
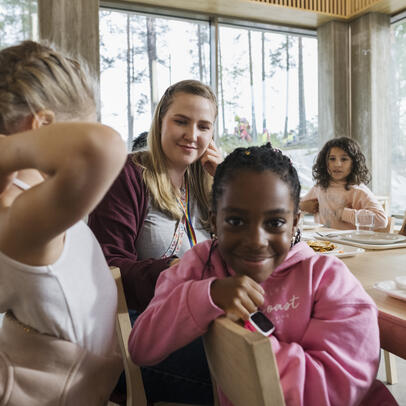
[[310, 206], [6, 179], [211, 158], [238, 296], [174, 261]]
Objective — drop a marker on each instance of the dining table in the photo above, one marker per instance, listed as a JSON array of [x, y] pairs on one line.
[[371, 267]]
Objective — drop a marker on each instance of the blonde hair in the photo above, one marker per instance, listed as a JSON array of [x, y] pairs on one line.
[[163, 193], [35, 77]]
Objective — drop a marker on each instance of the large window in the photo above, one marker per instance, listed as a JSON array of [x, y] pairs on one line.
[[398, 194], [268, 92], [18, 21], [267, 80], [141, 55]]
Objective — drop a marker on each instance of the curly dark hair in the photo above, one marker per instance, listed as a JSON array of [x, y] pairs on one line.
[[359, 171], [258, 159]]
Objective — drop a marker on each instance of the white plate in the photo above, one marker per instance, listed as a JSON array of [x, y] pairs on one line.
[[374, 238], [310, 226], [392, 289], [343, 251]]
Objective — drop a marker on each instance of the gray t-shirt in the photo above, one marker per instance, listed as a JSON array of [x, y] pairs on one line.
[[161, 236]]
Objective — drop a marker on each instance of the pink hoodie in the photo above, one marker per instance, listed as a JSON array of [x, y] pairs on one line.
[[326, 339]]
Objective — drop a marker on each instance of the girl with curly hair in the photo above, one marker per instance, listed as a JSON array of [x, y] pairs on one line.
[[341, 173]]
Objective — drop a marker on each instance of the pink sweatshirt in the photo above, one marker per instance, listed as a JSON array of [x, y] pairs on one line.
[[326, 340], [337, 205]]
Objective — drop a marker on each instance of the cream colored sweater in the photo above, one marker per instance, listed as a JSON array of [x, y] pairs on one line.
[[337, 205]]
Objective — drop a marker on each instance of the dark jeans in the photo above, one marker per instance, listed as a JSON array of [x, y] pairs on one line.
[[183, 377]]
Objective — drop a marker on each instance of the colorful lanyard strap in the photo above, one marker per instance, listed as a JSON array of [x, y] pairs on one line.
[[188, 219]]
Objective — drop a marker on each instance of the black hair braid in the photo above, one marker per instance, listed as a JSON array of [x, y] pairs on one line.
[[257, 159], [208, 265]]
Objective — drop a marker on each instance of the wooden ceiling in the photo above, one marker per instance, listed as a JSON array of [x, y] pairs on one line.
[[298, 13]]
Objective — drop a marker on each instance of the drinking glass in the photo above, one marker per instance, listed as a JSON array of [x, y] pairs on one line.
[[364, 221]]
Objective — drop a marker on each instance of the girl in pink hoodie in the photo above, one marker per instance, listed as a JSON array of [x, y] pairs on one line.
[[326, 339]]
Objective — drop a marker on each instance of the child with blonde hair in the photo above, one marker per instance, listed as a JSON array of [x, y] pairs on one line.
[[341, 175], [57, 341]]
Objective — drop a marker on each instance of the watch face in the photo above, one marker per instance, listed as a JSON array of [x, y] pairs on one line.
[[262, 323]]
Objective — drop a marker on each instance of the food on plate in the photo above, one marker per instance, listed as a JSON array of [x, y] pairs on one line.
[[321, 245]]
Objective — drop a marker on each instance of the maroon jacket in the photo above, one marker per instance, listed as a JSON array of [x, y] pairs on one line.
[[116, 222]]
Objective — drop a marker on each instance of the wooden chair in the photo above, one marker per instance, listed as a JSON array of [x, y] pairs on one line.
[[243, 365], [385, 202], [135, 387], [389, 359], [403, 228]]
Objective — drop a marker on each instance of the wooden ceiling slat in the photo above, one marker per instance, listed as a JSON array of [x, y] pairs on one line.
[[340, 8]]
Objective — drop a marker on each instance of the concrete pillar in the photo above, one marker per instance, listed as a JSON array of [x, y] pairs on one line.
[[72, 25], [334, 81], [370, 90]]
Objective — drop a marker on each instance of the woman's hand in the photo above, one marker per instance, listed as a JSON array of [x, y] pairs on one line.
[[310, 206], [211, 158], [238, 296], [6, 178]]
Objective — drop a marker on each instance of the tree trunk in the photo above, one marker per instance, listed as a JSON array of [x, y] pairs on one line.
[[302, 105], [152, 62], [263, 85], [254, 124], [199, 49], [130, 117], [221, 89], [285, 131], [30, 16]]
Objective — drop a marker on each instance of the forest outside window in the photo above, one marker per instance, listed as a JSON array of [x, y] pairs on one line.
[[267, 81], [141, 55], [18, 21], [398, 176]]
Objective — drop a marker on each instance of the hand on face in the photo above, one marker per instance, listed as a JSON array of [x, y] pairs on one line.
[[211, 158], [238, 296], [6, 178]]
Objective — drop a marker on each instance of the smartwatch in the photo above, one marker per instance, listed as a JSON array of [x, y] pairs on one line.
[[259, 322]]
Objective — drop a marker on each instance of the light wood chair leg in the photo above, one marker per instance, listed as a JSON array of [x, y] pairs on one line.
[[390, 368]]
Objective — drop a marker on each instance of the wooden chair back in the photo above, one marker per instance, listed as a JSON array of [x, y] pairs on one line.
[[135, 387], [385, 202], [403, 228], [242, 364]]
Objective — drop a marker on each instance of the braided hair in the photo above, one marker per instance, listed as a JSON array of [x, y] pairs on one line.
[[35, 77], [257, 159], [359, 171]]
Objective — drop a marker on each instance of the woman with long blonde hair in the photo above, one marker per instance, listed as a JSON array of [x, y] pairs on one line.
[[157, 209]]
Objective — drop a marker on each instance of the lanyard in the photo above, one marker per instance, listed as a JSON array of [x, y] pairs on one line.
[[188, 220]]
